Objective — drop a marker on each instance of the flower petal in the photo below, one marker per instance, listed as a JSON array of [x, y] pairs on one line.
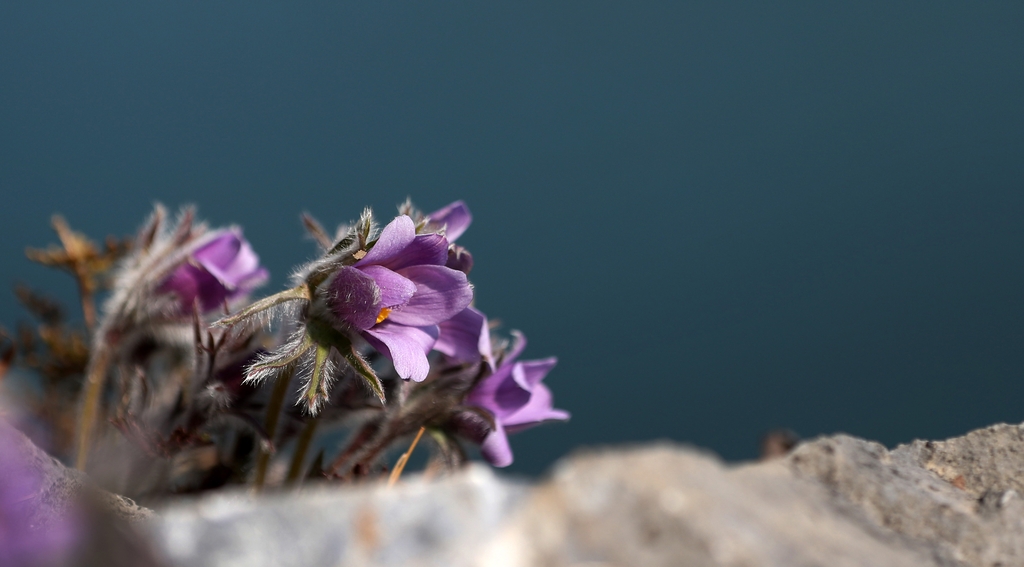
[[430, 249], [441, 293], [220, 249], [394, 289], [537, 410], [529, 373], [398, 234], [407, 347], [231, 259], [465, 337], [456, 216], [495, 447], [354, 297], [485, 392], [189, 283]]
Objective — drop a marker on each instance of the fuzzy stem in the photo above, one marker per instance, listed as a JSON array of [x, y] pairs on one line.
[[273, 413], [301, 448], [94, 383], [400, 465]]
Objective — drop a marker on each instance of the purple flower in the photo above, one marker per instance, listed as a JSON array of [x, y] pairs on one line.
[[29, 534], [514, 395], [223, 268], [397, 294]]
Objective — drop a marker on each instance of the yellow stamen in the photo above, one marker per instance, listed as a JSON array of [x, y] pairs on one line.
[[384, 312]]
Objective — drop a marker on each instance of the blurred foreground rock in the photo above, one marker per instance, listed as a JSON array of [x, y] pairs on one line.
[[60, 488], [835, 501]]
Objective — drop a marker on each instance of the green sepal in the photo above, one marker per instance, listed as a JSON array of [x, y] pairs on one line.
[[287, 360], [323, 333], [294, 294], [315, 389], [364, 370]]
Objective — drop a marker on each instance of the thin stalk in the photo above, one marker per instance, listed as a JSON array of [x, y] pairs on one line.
[[273, 413], [88, 305], [301, 448], [400, 465], [94, 383]]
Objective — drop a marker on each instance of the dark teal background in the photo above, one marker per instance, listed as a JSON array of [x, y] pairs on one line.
[[722, 217]]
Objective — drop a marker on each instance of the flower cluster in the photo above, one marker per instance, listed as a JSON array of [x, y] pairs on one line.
[[379, 336], [403, 294]]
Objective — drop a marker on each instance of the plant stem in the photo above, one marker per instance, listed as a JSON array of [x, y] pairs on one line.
[[88, 304], [96, 379], [400, 465], [273, 413], [301, 448]]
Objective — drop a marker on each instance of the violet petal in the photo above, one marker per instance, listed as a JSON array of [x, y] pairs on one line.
[[430, 249], [398, 234], [465, 337], [407, 347], [394, 289], [441, 293], [537, 410], [455, 216], [495, 447], [529, 373], [241, 272]]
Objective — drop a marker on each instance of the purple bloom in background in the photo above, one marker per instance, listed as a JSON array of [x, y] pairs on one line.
[[398, 293], [28, 535], [455, 218], [219, 270], [514, 395]]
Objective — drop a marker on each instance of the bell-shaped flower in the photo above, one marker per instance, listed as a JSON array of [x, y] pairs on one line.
[[398, 293], [516, 398], [221, 268]]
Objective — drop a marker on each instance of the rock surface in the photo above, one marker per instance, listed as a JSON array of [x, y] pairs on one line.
[[834, 501]]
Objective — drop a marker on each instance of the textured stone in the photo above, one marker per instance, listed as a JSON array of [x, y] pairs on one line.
[[961, 498], [417, 522], [834, 501], [666, 505]]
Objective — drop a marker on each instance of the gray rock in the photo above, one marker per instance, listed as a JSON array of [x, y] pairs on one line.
[[835, 501], [960, 498], [668, 505], [417, 522]]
